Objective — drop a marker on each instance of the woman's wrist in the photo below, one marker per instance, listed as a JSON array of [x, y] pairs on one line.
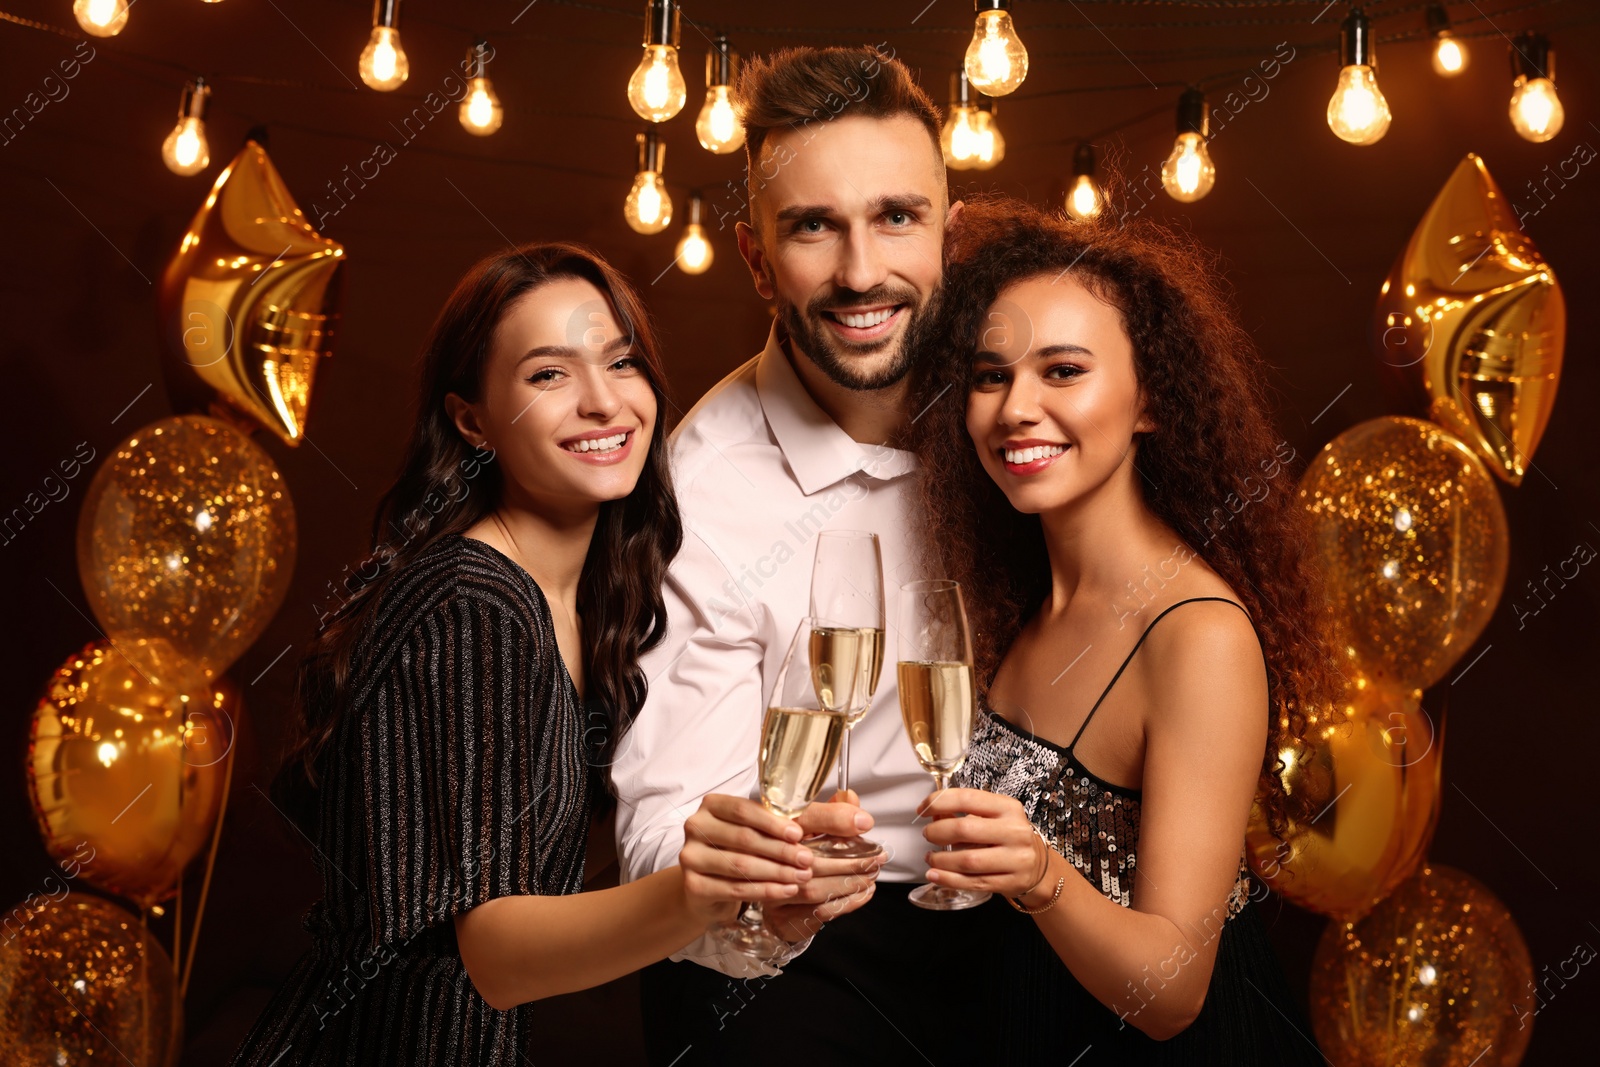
[[1045, 889]]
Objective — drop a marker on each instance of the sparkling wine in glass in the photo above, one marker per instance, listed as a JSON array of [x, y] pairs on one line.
[[847, 592], [937, 700], [800, 741]]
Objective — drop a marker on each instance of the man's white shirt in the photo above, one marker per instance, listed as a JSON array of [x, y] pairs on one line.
[[760, 469]]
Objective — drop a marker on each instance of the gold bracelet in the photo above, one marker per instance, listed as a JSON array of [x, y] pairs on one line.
[[1060, 884], [1044, 868]]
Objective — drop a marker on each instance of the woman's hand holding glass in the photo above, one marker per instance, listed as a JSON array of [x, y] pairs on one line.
[[994, 849], [735, 850]]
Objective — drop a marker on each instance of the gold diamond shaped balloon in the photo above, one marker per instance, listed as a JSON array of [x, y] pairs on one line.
[[1474, 315], [249, 302]]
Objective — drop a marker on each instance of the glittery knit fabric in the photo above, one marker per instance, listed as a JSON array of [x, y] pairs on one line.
[[1044, 1014], [458, 775]]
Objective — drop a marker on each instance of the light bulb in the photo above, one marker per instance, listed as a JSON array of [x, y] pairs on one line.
[[102, 18], [648, 208], [959, 138], [185, 150], [481, 112], [1536, 111], [996, 62], [657, 90], [694, 251], [991, 147], [1357, 111], [1083, 199], [1188, 173], [718, 125], [1449, 55], [384, 65]]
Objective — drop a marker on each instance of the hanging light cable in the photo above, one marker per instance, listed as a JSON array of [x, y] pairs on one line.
[[1449, 54], [694, 250], [656, 90], [718, 126], [1188, 173], [996, 62], [384, 65], [185, 150], [480, 113], [102, 18], [1357, 111], [648, 208], [1536, 111], [1084, 198]]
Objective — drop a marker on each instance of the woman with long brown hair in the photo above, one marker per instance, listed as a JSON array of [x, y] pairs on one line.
[[463, 699], [1100, 472]]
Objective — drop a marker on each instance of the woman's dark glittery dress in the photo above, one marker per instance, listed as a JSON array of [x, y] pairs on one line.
[[1044, 1014], [458, 775]]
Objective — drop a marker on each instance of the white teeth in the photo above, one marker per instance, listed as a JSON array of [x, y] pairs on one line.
[[1028, 455], [861, 322], [598, 444]]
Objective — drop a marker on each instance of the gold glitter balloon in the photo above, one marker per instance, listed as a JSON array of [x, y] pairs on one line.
[[1370, 780], [1413, 542], [1436, 975], [1473, 314], [83, 983], [125, 771], [249, 300], [188, 536]]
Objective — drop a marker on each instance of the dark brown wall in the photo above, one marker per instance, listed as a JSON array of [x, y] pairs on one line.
[[1308, 225]]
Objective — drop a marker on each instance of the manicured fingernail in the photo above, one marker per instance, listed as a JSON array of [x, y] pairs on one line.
[[792, 833], [932, 875], [803, 875], [803, 857], [863, 821]]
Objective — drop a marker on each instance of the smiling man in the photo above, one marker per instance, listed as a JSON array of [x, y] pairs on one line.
[[848, 212]]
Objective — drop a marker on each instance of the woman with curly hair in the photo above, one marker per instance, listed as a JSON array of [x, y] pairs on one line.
[[1109, 489]]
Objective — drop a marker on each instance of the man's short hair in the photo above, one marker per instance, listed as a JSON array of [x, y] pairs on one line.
[[799, 86]]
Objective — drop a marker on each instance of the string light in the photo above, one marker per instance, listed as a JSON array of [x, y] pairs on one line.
[[1084, 198], [718, 126], [481, 113], [648, 208], [656, 90], [1536, 111], [1188, 173], [103, 18], [996, 62], [185, 150], [1357, 111], [1449, 54], [694, 250], [384, 65], [959, 138], [991, 145]]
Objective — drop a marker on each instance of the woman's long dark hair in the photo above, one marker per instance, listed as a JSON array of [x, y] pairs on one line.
[[1213, 468], [445, 486]]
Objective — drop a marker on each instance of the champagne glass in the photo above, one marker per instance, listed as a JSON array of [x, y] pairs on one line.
[[937, 700], [800, 739], [847, 591]]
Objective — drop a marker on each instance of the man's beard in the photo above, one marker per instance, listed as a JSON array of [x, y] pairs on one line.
[[838, 358]]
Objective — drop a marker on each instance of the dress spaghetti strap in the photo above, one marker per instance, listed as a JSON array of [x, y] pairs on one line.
[[1107, 690]]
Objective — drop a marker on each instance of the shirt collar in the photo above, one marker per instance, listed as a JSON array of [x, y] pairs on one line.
[[816, 449]]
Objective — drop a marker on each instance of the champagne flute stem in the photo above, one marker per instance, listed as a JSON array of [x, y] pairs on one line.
[[844, 762], [750, 914], [941, 782]]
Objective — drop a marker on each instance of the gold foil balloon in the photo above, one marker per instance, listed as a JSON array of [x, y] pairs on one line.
[[249, 301], [1371, 785], [1413, 543], [1436, 975], [1474, 314], [187, 536], [125, 771], [83, 983]]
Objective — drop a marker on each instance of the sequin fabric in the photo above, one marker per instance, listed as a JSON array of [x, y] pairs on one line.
[[1091, 822]]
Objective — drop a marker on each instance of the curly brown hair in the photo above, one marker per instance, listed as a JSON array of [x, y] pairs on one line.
[[1213, 469]]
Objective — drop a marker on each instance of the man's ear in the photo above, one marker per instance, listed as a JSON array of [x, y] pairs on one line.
[[755, 257], [465, 416], [952, 216]]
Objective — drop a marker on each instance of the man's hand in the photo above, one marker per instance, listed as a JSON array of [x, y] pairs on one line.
[[836, 886]]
